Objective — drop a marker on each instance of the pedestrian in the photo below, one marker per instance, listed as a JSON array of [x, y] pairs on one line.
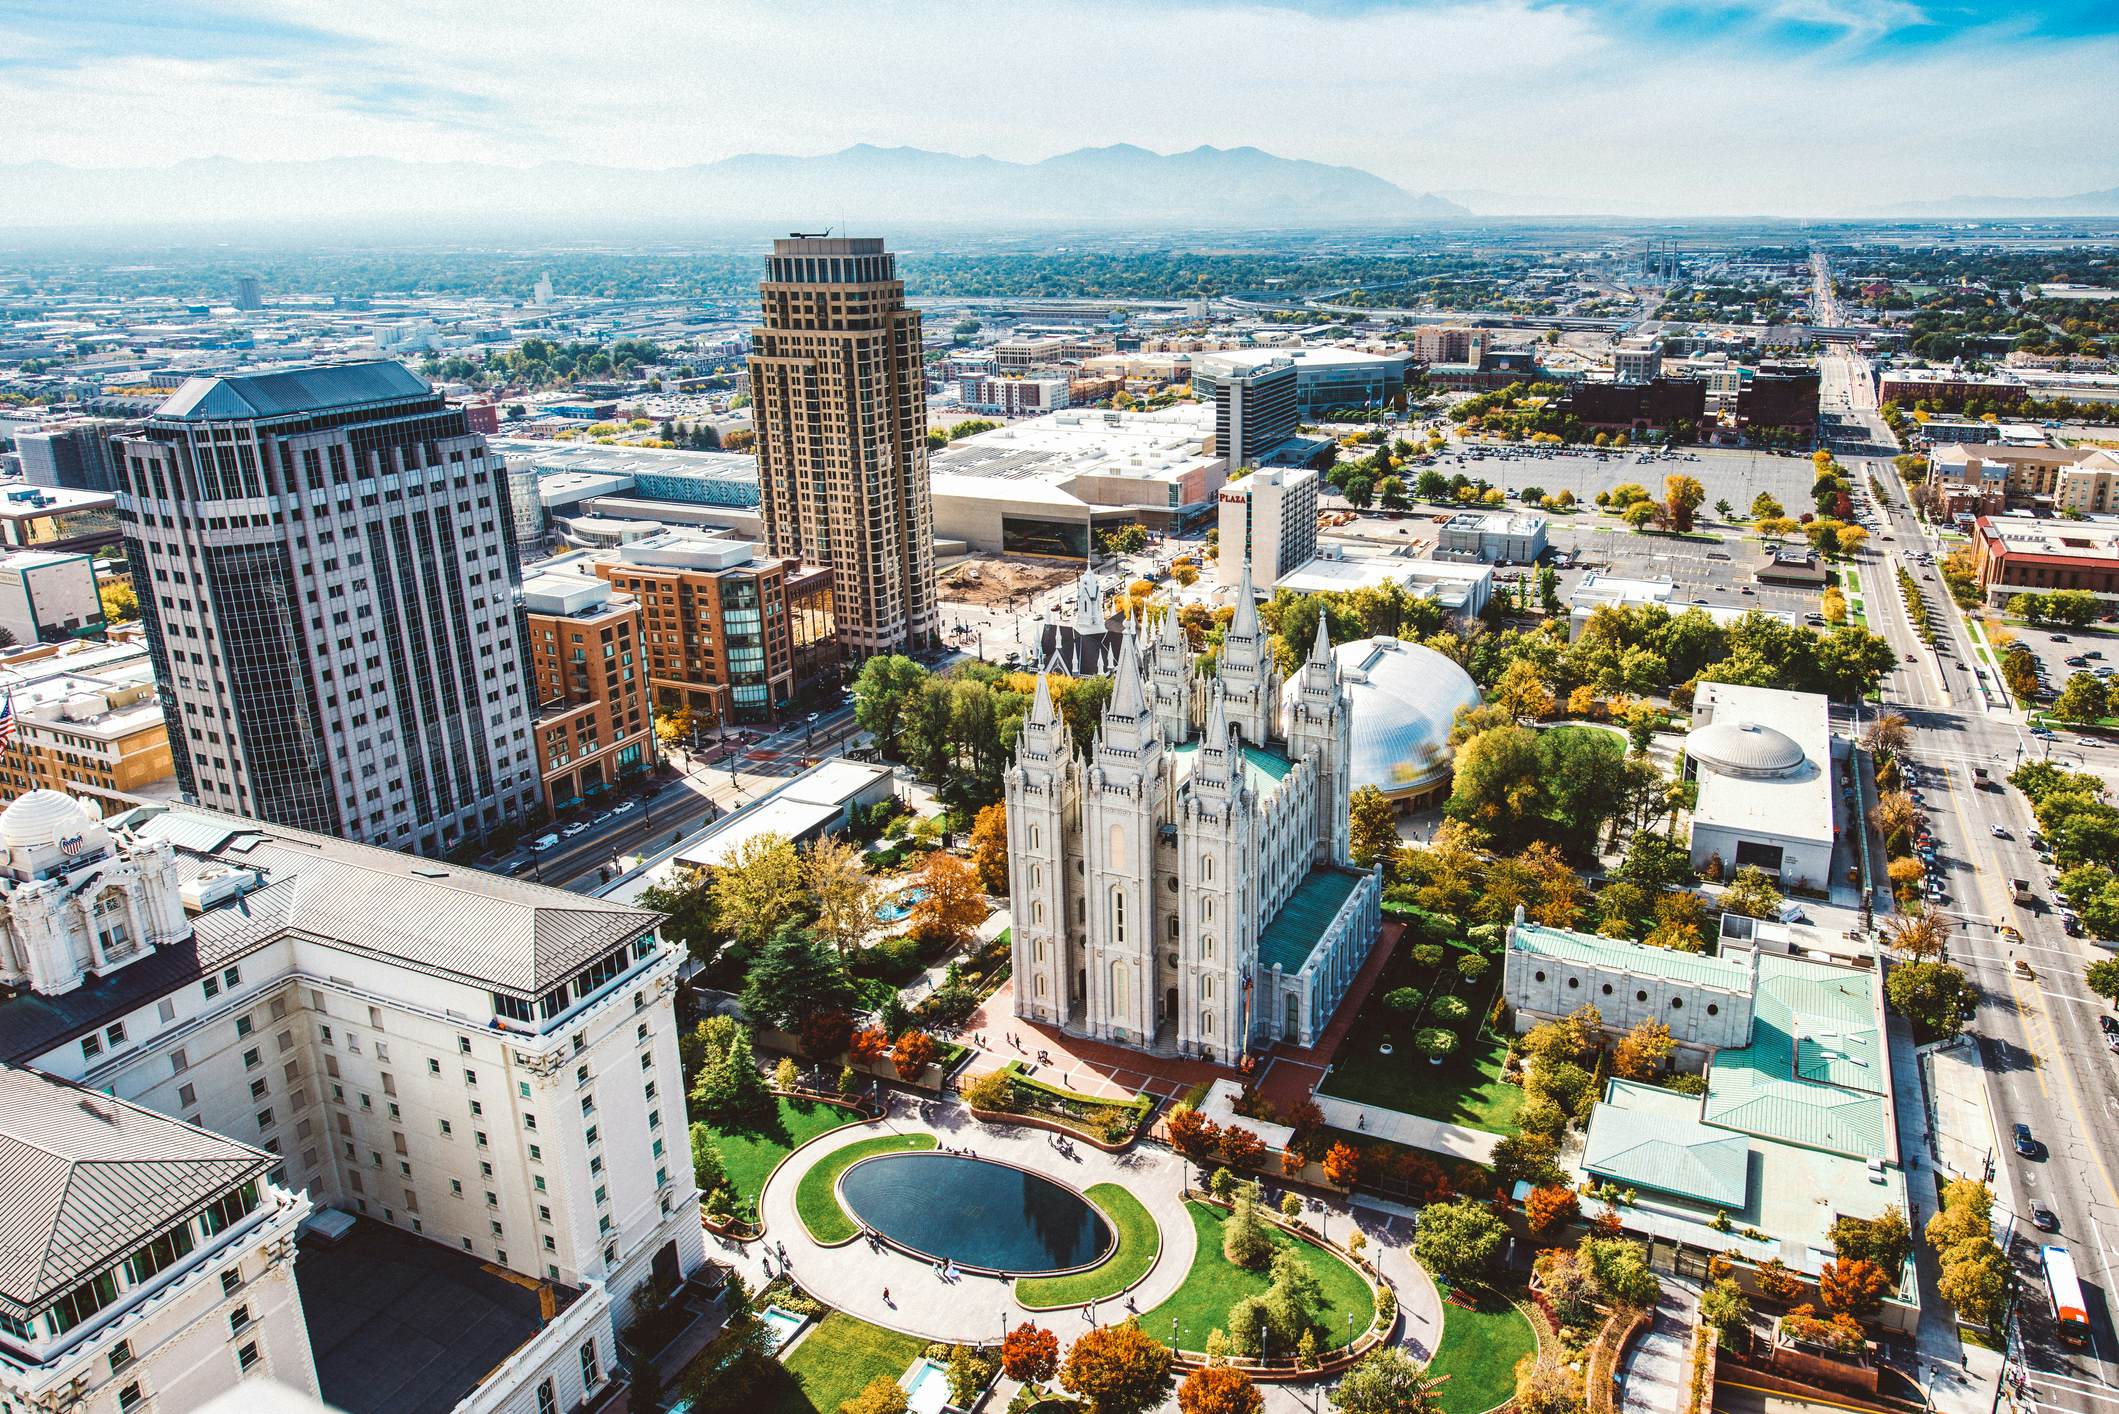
[[1362, 1123], [886, 1298]]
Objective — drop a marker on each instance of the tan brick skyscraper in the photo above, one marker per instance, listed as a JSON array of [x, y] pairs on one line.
[[840, 406]]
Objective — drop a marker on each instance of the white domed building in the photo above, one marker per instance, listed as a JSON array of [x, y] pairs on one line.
[[1763, 760], [76, 903], [1404, 698]]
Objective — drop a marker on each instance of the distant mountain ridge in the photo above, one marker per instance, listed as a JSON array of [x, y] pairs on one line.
[[859, 186], [2087, 203]]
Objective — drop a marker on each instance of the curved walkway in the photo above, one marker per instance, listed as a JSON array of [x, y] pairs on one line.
[[854, 1277]]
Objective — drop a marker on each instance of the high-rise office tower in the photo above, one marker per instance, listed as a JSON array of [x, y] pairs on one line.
[[840, 407], [326, 567], [249, 294]]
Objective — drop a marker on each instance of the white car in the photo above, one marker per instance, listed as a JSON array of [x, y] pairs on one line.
[[625, 807], [574, 829]]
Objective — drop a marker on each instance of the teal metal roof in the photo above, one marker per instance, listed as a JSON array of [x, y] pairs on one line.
[[287, 391], [1646, 1137], [1816, 1070], [1289, 939], [1264, 768], [1586, 949]]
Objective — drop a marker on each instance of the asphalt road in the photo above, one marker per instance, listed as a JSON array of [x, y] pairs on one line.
[[2046, 1061]]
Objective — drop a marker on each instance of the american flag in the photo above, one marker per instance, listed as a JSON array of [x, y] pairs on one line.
[[7, 722]]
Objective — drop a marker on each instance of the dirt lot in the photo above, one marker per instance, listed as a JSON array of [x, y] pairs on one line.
[[998, 581]]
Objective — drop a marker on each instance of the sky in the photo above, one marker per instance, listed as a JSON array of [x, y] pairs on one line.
[[1704, 107]]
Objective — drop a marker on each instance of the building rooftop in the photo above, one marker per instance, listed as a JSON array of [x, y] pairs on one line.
[[283, 392], [1287, 941], [1057, 447], [1263, 767], [88, 1177], [1403, 699], [1816, 1071], [2065, 540], [403, 1325], [1323, 357], [1587, 949], [1764, 761], [1649, 1137]]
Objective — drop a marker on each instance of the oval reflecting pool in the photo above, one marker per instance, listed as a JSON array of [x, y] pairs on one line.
[[975, 1212]]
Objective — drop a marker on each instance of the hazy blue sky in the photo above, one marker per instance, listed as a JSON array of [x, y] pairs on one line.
[[1800, 106]]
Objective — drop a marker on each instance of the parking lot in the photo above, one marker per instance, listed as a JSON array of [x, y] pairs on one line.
[[2090, 649], [1728, 474]]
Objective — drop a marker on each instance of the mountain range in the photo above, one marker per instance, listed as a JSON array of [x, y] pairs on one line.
[[862, 185], [2087, 203]]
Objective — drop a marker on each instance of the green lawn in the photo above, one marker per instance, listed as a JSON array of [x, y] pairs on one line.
[[1215, 1284], [751, 1154], [1467, 1088], [1479, 1352], [835, 1362], [1139, 1240], [816, 1196]]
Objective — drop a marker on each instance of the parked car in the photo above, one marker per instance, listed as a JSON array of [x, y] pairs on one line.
[[544, 842]]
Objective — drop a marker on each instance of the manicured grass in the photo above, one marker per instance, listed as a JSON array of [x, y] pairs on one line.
[[1479, 1351], [1215, 1284], [816, 1200], [1138, 1242], [1467, 1088], [835, 1362], [750, 1154]]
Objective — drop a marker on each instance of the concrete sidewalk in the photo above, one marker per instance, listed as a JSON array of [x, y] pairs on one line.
[[1413, 1131]]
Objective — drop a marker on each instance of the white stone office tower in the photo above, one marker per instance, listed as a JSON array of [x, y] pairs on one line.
[[327, 568], [1183, 886]]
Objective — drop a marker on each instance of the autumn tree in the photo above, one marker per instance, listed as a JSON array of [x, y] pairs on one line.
[[1680, 917], [881, 1395], [1889, 734], [989, 848], [1219, 1389], [1117, 1369], [1372, 823], [1240, 1147], [1550, 1208], [1643, 1051], [756, 888], [1776, 1282], [1752, 894], [1682, 496], [1342, 1164], [953, 904], [1030, 1354], [1918, 937], [1853, 1287], [842, 890], [913, 1053], [1192, 1134], [868, 1044]]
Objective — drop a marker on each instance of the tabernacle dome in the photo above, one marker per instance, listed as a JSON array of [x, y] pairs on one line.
[[1405, 698]]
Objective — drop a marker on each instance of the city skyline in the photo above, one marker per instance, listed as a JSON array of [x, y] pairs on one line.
[[1639, 107]]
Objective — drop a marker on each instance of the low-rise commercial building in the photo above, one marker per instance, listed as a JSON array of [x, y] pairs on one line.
[[1762, 758], [1462, 589], [49, 596], [2017, 553], [1987, 478], [1954, 390], [1597, 590], [822, 800], [595, 723], [74, 453], [1778, 405], [1673, 407], [1014, 396], [57, 518], [730, 635], [1492, 537], [88, 720]]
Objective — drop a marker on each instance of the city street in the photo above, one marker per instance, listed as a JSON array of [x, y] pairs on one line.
[[2046, 1062]]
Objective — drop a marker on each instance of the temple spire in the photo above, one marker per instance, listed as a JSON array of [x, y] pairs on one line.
[[1041, 713], [1245, 624], [1321, 651], [1127, 697]]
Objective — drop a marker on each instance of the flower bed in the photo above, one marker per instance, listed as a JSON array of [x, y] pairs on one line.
[[1107, 1123]]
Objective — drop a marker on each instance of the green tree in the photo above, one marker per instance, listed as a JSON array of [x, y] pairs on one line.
[[1245, 1239], [1372, 826], [880, 692], [1929, 994], [1618, 1268], [1724, 1306], [1385, 1381], [1764, 507], [730, 1093], [1458, 1240], [795, 976], [1752, 894], [2082, 699], [2102, 977]]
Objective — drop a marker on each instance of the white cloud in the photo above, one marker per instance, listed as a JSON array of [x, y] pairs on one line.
[[1557, 99]]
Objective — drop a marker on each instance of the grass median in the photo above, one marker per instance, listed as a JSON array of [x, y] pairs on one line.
[[1139, 1240], [817, 1198]]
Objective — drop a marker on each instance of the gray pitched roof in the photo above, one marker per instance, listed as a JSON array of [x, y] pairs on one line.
[[88, 1178], [285, 391], [452, 920]]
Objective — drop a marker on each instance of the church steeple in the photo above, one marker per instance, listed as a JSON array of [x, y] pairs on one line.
[[1247, 669]]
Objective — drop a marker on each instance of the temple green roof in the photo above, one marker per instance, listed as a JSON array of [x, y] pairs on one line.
[[1289, 939], [1264, 768], [1586, 949], [1648, 1137]]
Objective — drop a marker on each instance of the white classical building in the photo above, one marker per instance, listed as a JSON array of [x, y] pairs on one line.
[[1183, 885], [456, 1057]]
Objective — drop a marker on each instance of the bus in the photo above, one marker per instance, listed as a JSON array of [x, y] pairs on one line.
[[2071, 1318]]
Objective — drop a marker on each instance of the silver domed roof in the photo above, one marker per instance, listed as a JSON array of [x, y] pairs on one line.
[[1744, 749], [1405, 698]]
